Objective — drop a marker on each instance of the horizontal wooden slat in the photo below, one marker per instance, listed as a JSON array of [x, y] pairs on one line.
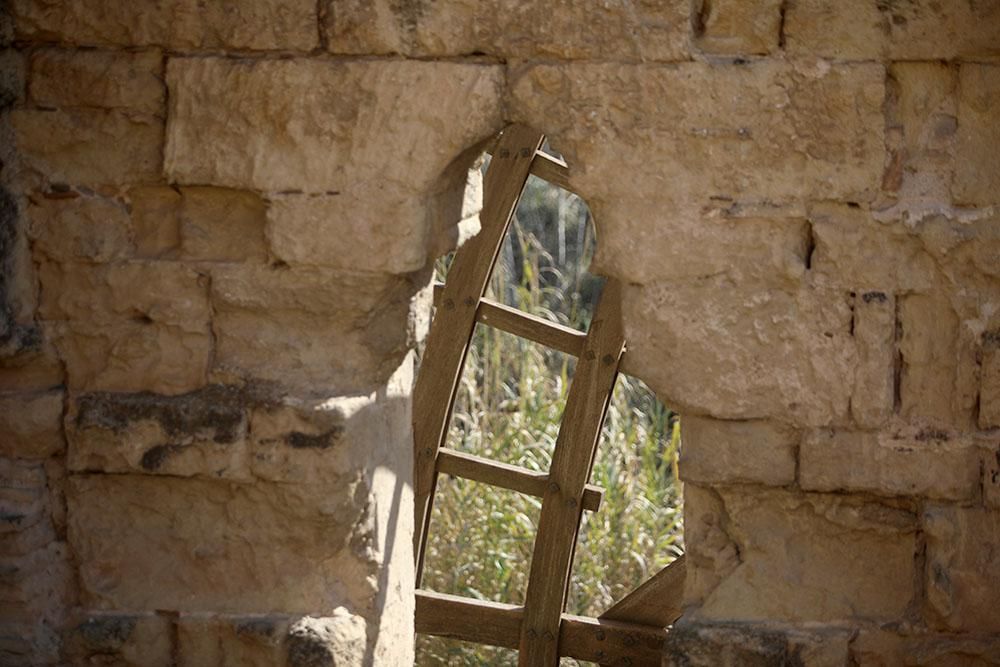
[[506, 476], [498, 624], [531, 327], [655, 602], [552, 169]]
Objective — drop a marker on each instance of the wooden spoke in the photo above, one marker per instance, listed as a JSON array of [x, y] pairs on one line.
[[656, 602], [506, 476], [552, 169], [447, 342], [583, 417]]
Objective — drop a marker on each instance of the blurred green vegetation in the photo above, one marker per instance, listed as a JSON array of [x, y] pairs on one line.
[[508, 408]]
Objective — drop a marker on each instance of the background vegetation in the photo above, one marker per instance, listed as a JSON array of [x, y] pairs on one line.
[[508, 408]]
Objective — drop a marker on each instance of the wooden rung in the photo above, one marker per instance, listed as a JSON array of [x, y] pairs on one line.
[[657, 601], [552, 169], [497, 624], [524, 325], [506, 476]]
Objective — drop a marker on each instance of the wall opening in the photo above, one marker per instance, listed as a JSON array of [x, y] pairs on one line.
[[509, 407]]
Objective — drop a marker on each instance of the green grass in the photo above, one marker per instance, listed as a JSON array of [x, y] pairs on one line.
[[508, 408]]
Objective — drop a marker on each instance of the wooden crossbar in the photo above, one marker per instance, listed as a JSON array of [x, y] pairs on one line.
[[551, 169], [496, 624], [506, 476], [657, 601]]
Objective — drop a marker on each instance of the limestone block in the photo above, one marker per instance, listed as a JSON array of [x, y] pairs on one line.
[[991, 475], [179, 24], [890, 463], [81, 228], [711, 552], [696, 246], [989, 388], [365, 129], [106, 79], [722, 452], [35, 369], [145, 542], [202, 433], [873, 30], [134, 639], [732, 27], [963, 582], [856, 252], [873, 397], [209, 640], [138, 326], [12, 77], [348, 232], [681, 136], [770, 353], [156, 221], [932, 390], [89, 146], [33, 643], [811, 557], [875, 648], [31, 425], [222, 225], [339, 639], [317, 329], [977, 173], [720, 645], [646, 30]]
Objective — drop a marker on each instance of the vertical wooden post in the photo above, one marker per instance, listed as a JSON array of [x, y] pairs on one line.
[[586, 405], [451, 330]]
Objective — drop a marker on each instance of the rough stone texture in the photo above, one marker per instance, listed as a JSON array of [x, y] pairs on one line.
[[138, 326], [989, 392], [797, 544], [735, 27], [718, 645], [80, 229], [31, 425], [89, 146], [105, 79], [180, 24], [963, 584], [918, 463], [222, 225], [785, 356], [335, 640], [209, 640], [647, 30], [873, 398], [977, 174], [721, 452], [873, 648], [156, 221], [913, 30], [142, 640]]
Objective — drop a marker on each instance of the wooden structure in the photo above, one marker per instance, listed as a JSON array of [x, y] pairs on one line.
[[633, 630]]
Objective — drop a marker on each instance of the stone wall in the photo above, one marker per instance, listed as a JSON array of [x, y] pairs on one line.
[[216, 226]]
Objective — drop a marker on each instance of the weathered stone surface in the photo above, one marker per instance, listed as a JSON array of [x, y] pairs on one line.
[[917, 463], [735, 27], [222, 225], [12, 77], [156, 221], [991, 474], [856, 252], [721, 452], [31, 425], [977, 173], [873, 30], [142, 640], [220, 546], [89, 146], [963, 583], [770, 353], [790, 547], [208, 640], [79, 228], [318, 127], [677, 136], [717, 645], [202, 433], [106, 79], [873, 397], [179, 24], [647, 30], [139, 326], [699, 247], [35, 369], [339, 639], [989, 387], [874, 648], [312, 328], [931, 387], [711, 553]]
